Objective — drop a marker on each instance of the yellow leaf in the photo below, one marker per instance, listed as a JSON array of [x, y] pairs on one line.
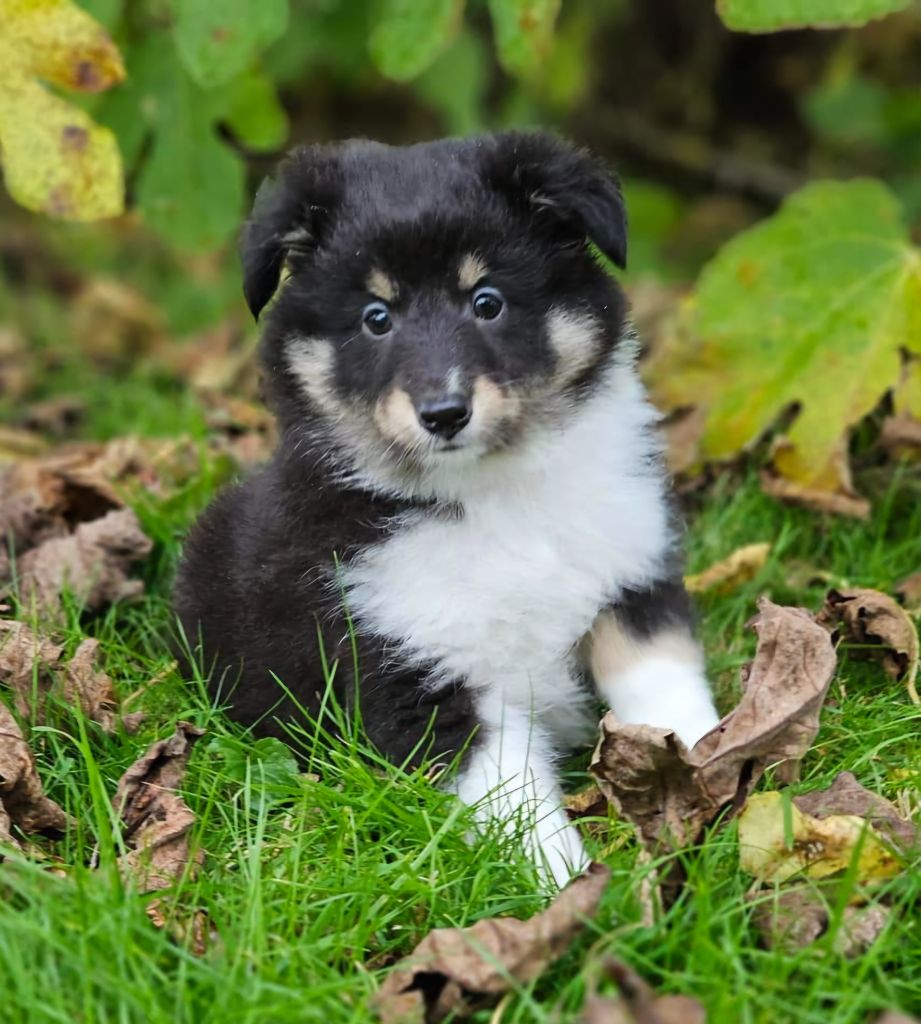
[[55, 158], [818, 847], [738, 568]]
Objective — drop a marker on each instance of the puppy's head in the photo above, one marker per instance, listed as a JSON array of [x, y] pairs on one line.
[[441, 301]]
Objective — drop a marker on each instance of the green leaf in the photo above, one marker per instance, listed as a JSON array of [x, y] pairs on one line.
[[412, 33], [808, 310], [850, 112], [191, 187], [455, 85], [253, 111], [217, 39], [772, 15], [267, 764], [524, 32]]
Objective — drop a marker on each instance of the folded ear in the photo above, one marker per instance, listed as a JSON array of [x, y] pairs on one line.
[[291, 215], [565, 188]]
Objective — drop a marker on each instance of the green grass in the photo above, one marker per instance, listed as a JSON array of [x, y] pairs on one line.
[[315, 887]]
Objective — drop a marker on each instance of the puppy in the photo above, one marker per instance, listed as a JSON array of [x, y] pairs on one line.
[[467, 512]]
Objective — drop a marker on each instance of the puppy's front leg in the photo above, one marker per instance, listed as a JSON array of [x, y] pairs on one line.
[[510, 777], [646, 664]]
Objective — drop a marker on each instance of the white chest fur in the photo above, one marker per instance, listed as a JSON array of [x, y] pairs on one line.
[[501, 596]]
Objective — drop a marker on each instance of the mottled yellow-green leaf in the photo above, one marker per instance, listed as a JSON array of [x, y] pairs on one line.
[[809, 310], [524, 32], [777, 842], [773, 15], [55, 159]]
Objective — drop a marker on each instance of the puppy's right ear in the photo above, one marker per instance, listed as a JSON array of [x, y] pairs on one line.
[[290, 218]]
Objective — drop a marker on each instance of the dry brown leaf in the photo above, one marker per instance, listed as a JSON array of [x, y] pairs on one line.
[[156, 818], [901, 435], [195, 931], [731, 572], [871, 617], [22, 800], [909, 590], [671, 793], [219, 359], [16, 444], [839, 503], [894, 1017], [14, 364], [26, 661], [114, 324], [455, 970], [92, 564], [796, 916], [245, 430], [817, 847], [638, 1003], [30, 667], [58, 416]]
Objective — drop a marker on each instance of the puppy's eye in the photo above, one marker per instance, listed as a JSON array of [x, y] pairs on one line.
[[376, 318], [487, 303]]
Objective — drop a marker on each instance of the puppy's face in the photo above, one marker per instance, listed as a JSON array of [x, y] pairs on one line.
[[441, 302]]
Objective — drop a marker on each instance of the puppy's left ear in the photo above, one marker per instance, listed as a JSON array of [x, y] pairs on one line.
[[564, 188], [290, 219]]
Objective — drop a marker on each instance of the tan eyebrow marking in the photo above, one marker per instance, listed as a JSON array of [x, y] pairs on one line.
[[471, 270], [381, 286]]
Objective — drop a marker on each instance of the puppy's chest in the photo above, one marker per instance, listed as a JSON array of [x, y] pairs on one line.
[[503, 593]]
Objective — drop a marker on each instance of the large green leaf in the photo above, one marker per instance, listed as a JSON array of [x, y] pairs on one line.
[[412, 33], [524, 32], [217, 39], [809, 309], [772, 15]]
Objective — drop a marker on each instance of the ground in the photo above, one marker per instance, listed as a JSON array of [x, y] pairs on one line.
[[315, 885]]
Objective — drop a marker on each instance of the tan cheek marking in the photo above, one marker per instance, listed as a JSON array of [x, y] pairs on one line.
[[395, 417], [491, 405], [311, 360], [380, 285], [613, 650], [575, 340], [471, 270]]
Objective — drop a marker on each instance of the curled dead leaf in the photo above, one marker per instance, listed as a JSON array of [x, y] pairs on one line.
[[671, 793], [455, 970], [30, 667], [92, 564], [839, 503], [638, 1003], [873, 618], [909, 590], [156, 819], [22, 799], [741, 566]]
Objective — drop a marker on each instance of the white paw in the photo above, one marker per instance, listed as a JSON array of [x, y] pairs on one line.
[[556, 848]]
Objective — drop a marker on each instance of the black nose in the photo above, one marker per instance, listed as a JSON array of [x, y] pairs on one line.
[[445, 416]]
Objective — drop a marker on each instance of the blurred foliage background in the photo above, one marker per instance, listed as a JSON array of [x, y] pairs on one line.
[[711, 127]]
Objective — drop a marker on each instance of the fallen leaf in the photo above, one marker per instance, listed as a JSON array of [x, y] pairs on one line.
[[195, 931], [114, 324], [909, 590], [894, 1017], [245, 430], [22, 799], [15, 377], [92, 564], [58, 416], [836, 502], [847, 796], [671, 793], [455, 970], [795, 917], [777, 841], [156, 819], [874, 618], [741, 566], [638, 1003], [31, 668], [901, 435]]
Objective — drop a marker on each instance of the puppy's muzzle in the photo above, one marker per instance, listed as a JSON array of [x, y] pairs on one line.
[[445, 416]]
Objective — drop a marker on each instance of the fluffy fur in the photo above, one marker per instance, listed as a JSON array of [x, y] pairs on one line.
[[468, 484]]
